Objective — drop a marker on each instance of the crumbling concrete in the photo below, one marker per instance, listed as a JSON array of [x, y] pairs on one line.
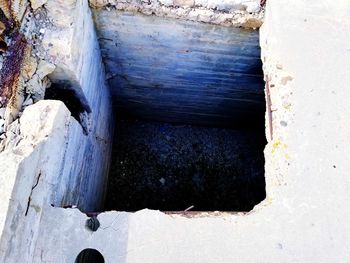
[[47, 158], [237, 13], [304, 217]]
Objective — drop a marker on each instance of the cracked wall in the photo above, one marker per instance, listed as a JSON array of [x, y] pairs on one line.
[[171, 70], [303, 219], [47, 158]]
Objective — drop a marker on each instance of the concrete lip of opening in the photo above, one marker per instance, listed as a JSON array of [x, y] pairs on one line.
[[169, 80], [302, 219]]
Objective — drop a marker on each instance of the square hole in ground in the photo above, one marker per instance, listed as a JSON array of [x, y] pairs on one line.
[[189, 102]]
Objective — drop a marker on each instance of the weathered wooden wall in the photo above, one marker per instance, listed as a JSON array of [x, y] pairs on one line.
[[180, 71]]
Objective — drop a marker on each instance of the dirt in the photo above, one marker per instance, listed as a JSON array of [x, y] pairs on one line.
[[174, 167]]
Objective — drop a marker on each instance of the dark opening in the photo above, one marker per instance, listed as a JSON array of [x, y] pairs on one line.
[[75, 103], [173, 167], [190, 106], [90, 255]]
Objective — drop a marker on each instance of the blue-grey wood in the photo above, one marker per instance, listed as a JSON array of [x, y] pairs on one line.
[[179, 71]]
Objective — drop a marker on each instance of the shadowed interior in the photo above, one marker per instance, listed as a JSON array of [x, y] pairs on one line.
[[189, 102]]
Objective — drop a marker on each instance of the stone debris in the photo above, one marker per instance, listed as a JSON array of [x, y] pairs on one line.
[[35, 4], [2, 113], [184, 3], [246, 14], [210, 168], [36, 87], [24, 78], [12, 137], [29, 68], [85, 122], [44, 69], [2, 123], [225, 5], [28, 101], [250, 23]]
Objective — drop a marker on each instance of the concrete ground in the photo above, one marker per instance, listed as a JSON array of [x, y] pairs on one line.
[[305, 215], [304, 218]]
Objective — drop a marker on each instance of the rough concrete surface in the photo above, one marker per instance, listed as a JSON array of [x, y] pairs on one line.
[[304, 218], [168, 70], [49, 150], [237, 13]]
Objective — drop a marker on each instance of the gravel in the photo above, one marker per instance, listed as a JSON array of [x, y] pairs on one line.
[[172, 167]]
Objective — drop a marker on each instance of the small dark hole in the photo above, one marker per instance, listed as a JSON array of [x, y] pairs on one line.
[[75, 104], [3, 46], [68, 97], [90, 255]]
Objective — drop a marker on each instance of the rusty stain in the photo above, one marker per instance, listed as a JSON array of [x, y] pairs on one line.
[[269, 110], [7, 22], [2, 27], [6, 25], [13, 10], [9, 75], [5, 6], [11, 69], [3, 45]]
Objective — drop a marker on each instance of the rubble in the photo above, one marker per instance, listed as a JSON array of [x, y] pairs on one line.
[[246, 14], [19, 62], [35, 4], [12, 136]]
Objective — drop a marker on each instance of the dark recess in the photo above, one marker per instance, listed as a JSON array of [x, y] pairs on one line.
[[173, 167], [73, 102], [190, 115], [90, 255]]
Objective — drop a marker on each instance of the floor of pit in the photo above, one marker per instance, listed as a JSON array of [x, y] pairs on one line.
[[174, 167]]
